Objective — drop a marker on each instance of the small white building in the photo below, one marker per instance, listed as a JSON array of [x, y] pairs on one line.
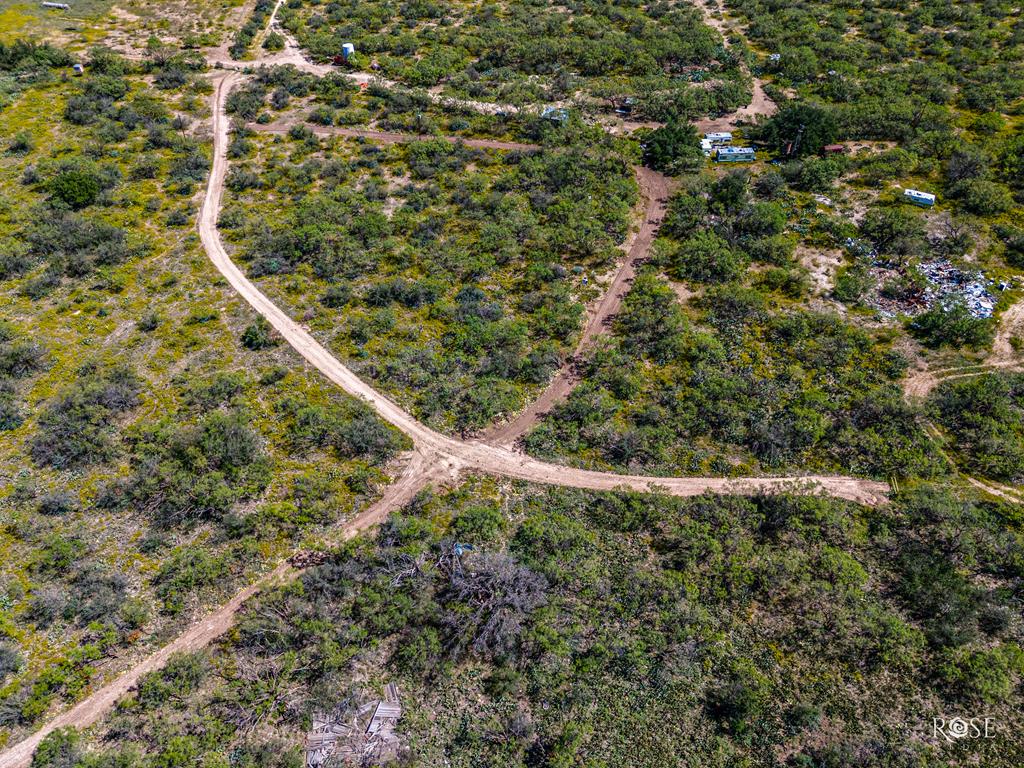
[[719, 138], [917, 197], [706, 147]]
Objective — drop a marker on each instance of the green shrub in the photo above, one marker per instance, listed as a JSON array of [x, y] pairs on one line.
[[673, 149], [21, 143], [182, 675], [59, 749], [274, 42], [814, 124], [187, 571], [75, 188], [852, 284], [707, 258], [985, 676], [259, 335], [984, 414], [951, 324], [985, 198], [183, 474], [75, 430], [10, 661]]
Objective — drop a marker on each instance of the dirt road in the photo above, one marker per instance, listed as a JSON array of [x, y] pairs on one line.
[[1004, 492], [420, 470], [89, 710], [1011, 324], [919, 384], [490, 454], [655, 189], [760, 103]]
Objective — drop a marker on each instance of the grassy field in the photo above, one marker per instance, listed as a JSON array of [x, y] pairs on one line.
[[122, 522], [75, 25]]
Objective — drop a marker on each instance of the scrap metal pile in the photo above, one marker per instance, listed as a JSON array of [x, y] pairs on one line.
[[944, 283], [949, 282], [365, 736]]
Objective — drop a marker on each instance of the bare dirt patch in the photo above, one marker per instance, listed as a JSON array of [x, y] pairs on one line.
[[821, 265]]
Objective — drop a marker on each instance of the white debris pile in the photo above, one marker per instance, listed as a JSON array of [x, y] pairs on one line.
[[860, 248], [945, 283], [949, 282], [364, 736]]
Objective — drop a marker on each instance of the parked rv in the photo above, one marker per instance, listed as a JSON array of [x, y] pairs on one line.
[[924, 199], [735, 155], [719, 139]]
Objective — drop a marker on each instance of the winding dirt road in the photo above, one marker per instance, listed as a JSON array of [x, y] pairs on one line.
[[921, 383], [292, 54], [469, 455]]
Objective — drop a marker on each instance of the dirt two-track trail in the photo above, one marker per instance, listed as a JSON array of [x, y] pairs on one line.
[[435, 458], [654, 187]]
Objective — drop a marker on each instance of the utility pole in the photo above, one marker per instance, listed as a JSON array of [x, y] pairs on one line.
[[795, 146]]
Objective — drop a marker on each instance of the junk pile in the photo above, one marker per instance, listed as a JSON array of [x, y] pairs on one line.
[[306, 558], [363, 737], [944, 283], [860, 248], [948, 282]]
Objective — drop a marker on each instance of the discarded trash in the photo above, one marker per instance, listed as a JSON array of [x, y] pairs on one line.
[[348, 737], [947, 281]]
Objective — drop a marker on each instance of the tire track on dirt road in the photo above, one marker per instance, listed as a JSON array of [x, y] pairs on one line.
[[655, 188], [919, 384]]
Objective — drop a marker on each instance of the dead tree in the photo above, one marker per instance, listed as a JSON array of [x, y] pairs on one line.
[[489, 600]]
